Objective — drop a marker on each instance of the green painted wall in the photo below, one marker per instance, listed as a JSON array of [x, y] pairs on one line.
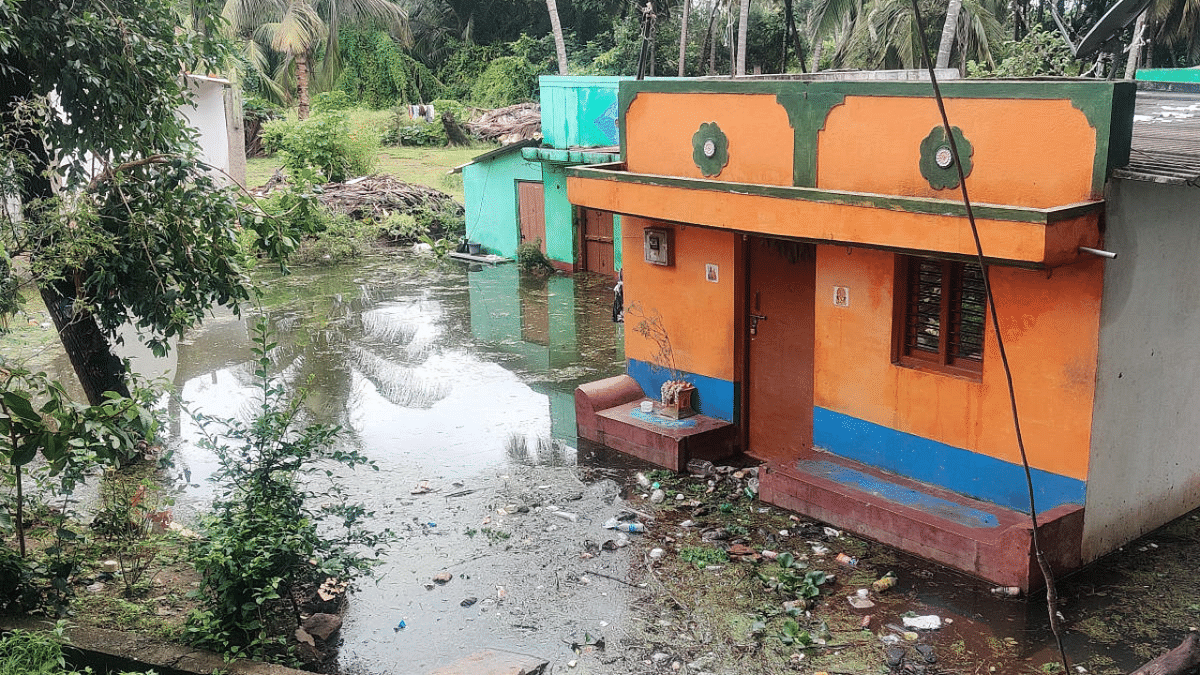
[[561, 233], [1169, 75], [491, 200], [579, 111]]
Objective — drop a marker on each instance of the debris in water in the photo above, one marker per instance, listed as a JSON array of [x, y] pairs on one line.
[[442, 577], [927, 622], [399, 626], [467, 602]]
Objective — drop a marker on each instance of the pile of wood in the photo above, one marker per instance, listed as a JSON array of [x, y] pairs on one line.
[[513, 124], [381, 195]]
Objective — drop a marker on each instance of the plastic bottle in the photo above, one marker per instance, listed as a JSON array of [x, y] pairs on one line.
[[847, 560], [631, 527]]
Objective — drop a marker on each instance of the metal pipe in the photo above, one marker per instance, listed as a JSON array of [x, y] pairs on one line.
[[1100, 252]]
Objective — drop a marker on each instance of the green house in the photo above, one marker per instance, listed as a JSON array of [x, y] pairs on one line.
[[517, 193]]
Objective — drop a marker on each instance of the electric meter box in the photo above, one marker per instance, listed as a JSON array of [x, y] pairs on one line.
[[658, 246]]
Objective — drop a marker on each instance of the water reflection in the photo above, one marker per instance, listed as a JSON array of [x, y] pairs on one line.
[[424, 365]]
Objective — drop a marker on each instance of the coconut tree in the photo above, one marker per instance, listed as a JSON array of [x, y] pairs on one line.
[[743, 30], [560, 46], [297, 29]]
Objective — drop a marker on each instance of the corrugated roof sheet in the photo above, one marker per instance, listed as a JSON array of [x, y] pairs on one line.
[[1166, 138]]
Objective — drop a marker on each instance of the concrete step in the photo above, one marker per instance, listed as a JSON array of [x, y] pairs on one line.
[[979, 538]]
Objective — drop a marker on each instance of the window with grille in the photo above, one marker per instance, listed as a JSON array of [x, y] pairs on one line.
[[940, 315]]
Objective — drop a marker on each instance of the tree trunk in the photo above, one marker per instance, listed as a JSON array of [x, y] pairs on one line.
[[790, 27], [302, 84], [1135, 47], [683, 27], [816, 64], [710, 45], [560, 47], [98, 369], [949, 30], [743, 21]]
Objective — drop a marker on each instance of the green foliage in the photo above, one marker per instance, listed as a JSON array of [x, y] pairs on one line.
[[340, 238], [439, 247], [267, 536], [410, 132], [1039, 53], [505, 81], [447, 220], [39, 653], [402, 228], [531, 258], [324, 143], [377, 71], [703, 556], [254, 108], [466, 63], [19, 588], [788, 578], [131, 514], [328, 101]]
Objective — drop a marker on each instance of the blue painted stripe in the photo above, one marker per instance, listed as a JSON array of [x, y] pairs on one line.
[[899, 494], [975, 475], [713, 397]]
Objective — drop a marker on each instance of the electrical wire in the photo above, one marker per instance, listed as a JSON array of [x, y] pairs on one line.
[[1047, 572]]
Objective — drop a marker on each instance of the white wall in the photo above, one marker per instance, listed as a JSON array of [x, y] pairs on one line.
[[1145, 463], [207, 115]]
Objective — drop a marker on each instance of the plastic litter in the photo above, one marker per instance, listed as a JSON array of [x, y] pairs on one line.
[[859, 602], [642, 480], [658, 496], [1007, 591], [847, 560], [566, 515], [701, 467], [400, 626], [884, 583], [657, 553], [927, 622]]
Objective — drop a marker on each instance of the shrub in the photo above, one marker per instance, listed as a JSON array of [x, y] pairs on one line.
[[267, 536], [341, 238], [377, 71], [505, 81], [324, 143], [402, 228], [410, 132], [328, 101], [531, 258], [446, 221]]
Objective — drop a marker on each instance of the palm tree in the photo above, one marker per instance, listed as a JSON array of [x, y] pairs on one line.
[[743, 22], [683, 22], [560, 46], [295, 29], [948, 32], [1175, 24]]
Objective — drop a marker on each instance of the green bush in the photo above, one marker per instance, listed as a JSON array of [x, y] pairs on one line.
[[270, 534], [402, 228], [531, 258], [325, 143], [505, 81], [377, 71], [410, 132], [328, 101], [447, 221], [341, 238]]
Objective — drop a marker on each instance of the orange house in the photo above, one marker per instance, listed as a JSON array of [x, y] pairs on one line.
[[821, 293]]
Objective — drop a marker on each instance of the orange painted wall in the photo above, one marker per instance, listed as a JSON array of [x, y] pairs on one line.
[[697, 314], [1050, 325], [1026, 152], [659, 129]]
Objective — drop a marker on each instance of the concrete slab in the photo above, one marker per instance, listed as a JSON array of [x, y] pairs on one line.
[[485, 258], [495, 662]]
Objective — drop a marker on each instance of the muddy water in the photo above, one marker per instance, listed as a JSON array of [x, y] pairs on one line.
[[456, 380]]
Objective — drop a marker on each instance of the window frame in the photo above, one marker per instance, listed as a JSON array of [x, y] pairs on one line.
[[941, 361]]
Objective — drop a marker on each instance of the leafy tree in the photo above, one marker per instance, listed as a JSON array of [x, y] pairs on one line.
[[120, 222]]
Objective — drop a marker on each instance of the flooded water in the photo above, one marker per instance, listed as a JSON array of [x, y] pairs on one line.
[[460, 379]]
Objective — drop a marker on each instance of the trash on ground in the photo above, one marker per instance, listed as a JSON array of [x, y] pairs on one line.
[[657, 553], [847, 560], [442, 577], [860, 601], [884, 583], [658, 496], [927, 622], [830, 532], [467, 602], [701, 467], [399, 626], [1007, 591], [567, 515]]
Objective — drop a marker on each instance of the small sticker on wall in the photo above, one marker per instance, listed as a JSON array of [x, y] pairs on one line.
[[712, 273], [841, 296]]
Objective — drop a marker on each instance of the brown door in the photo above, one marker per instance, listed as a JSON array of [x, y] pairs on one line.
[[781, 280], [597, 241], [531, 211]]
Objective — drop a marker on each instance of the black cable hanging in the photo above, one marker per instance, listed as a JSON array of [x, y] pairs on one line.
[[1047, 572]]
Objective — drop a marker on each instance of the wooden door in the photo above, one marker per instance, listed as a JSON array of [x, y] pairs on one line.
[[597, 241], [531, 212], [780, 333]]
